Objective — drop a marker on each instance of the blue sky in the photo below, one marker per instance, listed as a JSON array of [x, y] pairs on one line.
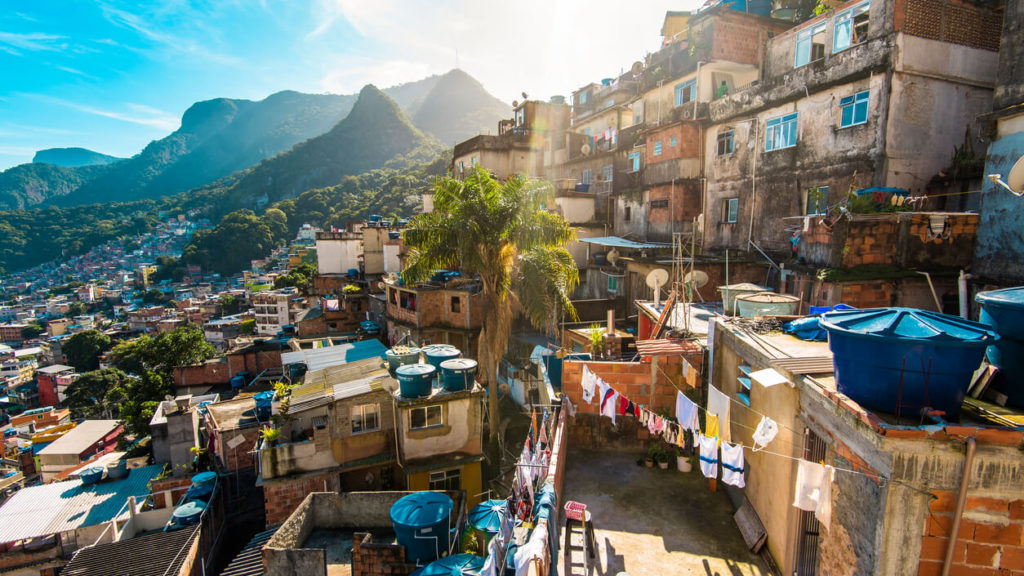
[[112, 76]]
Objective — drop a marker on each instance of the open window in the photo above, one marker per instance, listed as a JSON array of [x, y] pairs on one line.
[[851, 26], [810, 44]]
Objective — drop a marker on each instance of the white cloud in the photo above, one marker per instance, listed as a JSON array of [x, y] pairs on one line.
[[183, 41], [136, 114], [33, 41]]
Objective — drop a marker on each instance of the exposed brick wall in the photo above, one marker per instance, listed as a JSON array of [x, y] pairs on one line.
[[208, 373], [688, 142], [371, 558], [683, 202], [990, 543], [282, 497], [948, 21], [631, 379], [176, 485], [867, 294]]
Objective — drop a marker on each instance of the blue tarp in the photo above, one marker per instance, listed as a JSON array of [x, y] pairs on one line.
[[623, 243]]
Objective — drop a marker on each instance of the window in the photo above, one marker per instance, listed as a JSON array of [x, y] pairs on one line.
[[456, 305], [462, 167], [425, 417], [634, 161], [365, 418], [446, 480], [817, 201], [627, 214], [583, 98], [657, 148], [731, 209], [810, 44], [613, 284], [672, 142], [851, 27], [854, 109], [607, 173], [475, 161], [686, 92], [726, 142], [520, 116], [588, 176], [663, 203], [780, 132]]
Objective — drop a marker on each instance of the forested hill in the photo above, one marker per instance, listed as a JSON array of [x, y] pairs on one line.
[[72, 157], [216, 137], [457, 108], [29, 184]]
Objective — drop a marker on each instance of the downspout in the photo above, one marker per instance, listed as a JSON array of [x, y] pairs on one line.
[[961, 500], [753, 189], [398, 450], [962, 283]]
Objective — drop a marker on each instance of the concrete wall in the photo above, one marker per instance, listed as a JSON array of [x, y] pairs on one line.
[[1010, 87], [461, 430], [1000, 250], [337, 256]]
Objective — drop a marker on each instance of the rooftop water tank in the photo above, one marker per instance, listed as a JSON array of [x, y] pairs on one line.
[[730, 292], [488, 515], [188, 514], [401, 356], [1003, 310], [237, 381], [766, 304], [458, 374], [414, 380], [91, 475], [264, 405], [935, 356], [454, 565], [422, 525], [437, 353], [117, 469], [204, 478]]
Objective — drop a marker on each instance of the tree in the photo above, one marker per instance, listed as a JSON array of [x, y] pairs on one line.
[[142, 397], [96, 394], [500, 233], [153, 296], [83, 349], [75, 309], [229, 305], [32, 329], [182, 346]]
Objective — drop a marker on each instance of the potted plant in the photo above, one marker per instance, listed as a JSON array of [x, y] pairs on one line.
[[662, 459], [271, 436], [683, 462], [655, 454]]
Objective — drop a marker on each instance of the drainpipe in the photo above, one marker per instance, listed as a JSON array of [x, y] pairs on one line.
[[753, 189], [960, 502], [962, 283], [938, 305]]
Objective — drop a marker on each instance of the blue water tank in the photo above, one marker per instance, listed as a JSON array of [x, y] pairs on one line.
[[422, 525], [237, 381], [188, 514], [91, 475], [454, 565], [414, 380], [353, 272], [264, 405], [401, 356], [934, 354], [202, 487], [1003, 310], [458, 374], [438, 353]]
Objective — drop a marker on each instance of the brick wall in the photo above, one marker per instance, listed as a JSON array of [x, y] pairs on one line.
[[683, 204], [737, 42], [948, 21], [866, 294], [282, 497], [239, 457], [688, 143], [207, 373], [371, 558], [990, 541], [176, 486]]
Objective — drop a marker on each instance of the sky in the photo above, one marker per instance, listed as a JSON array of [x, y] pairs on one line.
[[112, 76]]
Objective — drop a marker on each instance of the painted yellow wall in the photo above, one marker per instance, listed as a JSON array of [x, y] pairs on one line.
[[472, 482]]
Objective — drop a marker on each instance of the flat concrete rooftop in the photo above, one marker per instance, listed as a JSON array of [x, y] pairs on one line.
[[653, 522]]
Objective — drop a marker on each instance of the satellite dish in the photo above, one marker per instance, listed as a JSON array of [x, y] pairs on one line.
[[585, 149], [696, 277], [613, 256], [382, 285], [1014, 182], [525, 97], [515, 103], [655, 280], [637, 69]]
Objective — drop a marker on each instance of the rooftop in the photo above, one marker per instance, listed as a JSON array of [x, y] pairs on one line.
[[157, 554], [61, 506], [234, 414], [320, 358], [81, 438]]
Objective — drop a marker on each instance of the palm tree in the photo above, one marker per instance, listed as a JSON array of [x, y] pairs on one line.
[[499, 232]]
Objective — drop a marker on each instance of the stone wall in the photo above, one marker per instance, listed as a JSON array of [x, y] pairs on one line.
[[371, 558]]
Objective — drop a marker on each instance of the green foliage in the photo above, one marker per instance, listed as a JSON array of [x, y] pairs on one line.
[[596, 339], [182, 346], [28, 184], [75, 309], [168, 268], [96, 394], [229, 305], [153, 296], [270, 435], [142, 397], [248, 327], [65, 288], [239, 238], [300, 277], [351, 289], [32, 329], [83, 350]]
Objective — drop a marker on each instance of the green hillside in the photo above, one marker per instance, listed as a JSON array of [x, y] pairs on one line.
[[29, 184], [72, 157]]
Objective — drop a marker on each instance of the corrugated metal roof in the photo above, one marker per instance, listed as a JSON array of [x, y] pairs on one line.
[[62, 506], [81, 437], [362, 386], [811, 365], [158, 554], [623, 243], [249, 561], [319, 358]]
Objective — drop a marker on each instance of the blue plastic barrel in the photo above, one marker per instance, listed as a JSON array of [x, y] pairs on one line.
[[188, 514], [421, 522], [264, 405], [1003, 310], [458, 374], [935, 355], [438, 353], [415, 380], [91, 475], [454, 565]]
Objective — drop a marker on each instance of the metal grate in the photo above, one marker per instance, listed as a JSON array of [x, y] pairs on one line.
[[809, 527]]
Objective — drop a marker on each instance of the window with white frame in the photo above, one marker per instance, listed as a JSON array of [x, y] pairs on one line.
[[780, 132], [607, 172], [475, 160], [613, 284], [657, 148], [851, 26], [634, 161], [425, 417], [810, 44], [686, 92], [672, 142], [726, 142], [365, 418], [730, 210], [446, 480], [817, 201], [588, 176], [853, 110]]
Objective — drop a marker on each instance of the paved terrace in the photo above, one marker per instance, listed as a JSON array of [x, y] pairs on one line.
[[653, 522]]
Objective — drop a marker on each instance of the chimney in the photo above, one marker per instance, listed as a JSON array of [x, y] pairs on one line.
[[611, 321]]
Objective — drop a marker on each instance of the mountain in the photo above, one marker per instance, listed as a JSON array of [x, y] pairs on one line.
[[72, 157], [28, 184], [409, 95], [216, 137], [375, 134], [457, 108]]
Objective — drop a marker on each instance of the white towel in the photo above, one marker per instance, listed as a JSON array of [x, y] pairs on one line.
[[765, 433], [686, 412], [609, 400], [732, 464], [589, 383], [718, 405], [814, 490], [708, 455]]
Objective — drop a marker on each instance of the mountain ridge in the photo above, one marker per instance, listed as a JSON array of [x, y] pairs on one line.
[[72, 157]]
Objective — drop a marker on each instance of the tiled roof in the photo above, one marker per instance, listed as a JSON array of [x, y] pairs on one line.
[[62, 506], [249, 561], [155, 554]]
